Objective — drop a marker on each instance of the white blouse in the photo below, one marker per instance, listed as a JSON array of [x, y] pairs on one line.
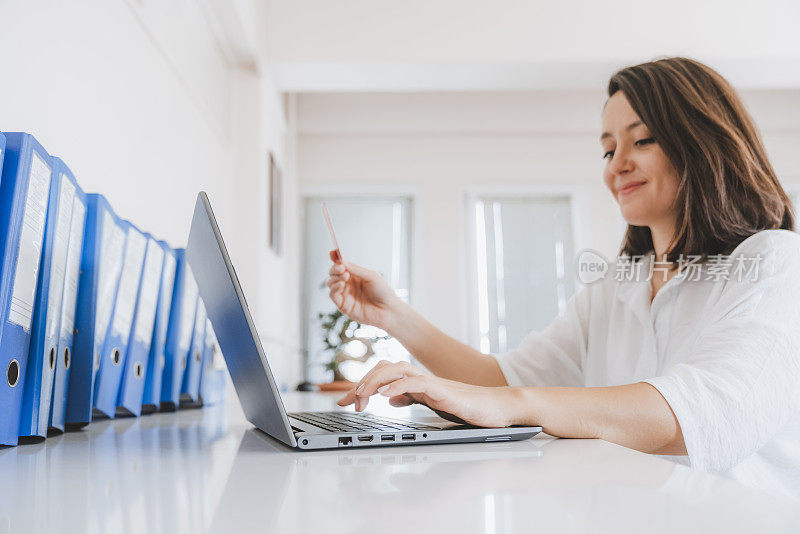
[[724, 351]]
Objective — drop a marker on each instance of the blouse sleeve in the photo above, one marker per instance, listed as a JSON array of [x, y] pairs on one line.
[[740, 382], [554, 356]]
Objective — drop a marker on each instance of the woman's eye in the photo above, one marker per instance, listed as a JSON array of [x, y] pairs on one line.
[[646, 141], [609, 154]]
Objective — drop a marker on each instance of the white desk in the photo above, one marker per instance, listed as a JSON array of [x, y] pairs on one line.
[[210, 471]]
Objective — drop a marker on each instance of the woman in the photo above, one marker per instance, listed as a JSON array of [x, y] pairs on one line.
[[683, 362]]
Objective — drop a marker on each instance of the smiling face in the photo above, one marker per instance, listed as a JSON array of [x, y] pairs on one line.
[[638, 173]]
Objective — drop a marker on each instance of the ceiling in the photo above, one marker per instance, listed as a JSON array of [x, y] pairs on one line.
[[463, 45]]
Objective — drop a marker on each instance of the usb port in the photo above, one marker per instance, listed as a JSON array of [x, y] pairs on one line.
[[387, 437], [409, 437], [364, 438]]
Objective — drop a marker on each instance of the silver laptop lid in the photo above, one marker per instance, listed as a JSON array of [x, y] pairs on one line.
[[228, 312]]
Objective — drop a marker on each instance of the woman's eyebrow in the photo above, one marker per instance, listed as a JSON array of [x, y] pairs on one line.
[[629, 127]]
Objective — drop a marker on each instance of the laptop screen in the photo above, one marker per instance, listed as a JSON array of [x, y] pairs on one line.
[[238, 339]]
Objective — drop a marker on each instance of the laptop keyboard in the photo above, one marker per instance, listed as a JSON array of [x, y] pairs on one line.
[[357, 422]]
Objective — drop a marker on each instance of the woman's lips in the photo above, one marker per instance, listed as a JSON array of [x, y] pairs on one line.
[[630, 188]]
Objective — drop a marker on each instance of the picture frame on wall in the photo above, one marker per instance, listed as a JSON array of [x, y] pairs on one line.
[[275, 194]]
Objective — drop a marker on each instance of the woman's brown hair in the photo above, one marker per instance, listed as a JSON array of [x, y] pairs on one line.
[[728, 189]]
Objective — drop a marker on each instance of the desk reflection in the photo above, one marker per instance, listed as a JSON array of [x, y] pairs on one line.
[[157, 474], [194, 471], [572, 485]]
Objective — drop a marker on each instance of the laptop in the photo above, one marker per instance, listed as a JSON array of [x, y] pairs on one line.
[[254, 384]]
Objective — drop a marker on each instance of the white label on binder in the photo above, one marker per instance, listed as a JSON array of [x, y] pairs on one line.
[[188, 309], [217, 361], [73, 268], [60, 249], [167, 286], [165, 296], [110, 258], [148, 294], [30, 243], [199, 323], [129, 282], [209, 332]]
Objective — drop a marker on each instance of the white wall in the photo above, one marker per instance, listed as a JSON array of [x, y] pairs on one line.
[[445, 144], [270, 281], [97, 90], [143, 102]]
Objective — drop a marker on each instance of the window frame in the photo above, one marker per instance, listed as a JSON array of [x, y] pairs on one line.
[[412, 193], [579, 202]]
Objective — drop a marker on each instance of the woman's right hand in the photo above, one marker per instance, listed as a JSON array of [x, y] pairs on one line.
[[361, 294]]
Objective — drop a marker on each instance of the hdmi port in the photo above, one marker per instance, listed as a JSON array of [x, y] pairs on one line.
[[364, 438]]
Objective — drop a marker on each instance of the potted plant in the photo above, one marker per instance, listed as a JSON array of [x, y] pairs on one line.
[[344, 344]]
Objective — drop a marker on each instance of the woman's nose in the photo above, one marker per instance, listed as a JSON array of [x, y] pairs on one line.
[[621, 163]]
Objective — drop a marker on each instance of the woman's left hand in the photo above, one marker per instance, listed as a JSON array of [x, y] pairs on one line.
[[405, 384]]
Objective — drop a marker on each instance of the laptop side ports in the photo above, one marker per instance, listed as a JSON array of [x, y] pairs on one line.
[[387, 437], [365, 438], [345, 441], [409, 437]]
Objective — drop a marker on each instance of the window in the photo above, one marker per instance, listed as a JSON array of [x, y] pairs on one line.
[[372, 231], [524, 268]]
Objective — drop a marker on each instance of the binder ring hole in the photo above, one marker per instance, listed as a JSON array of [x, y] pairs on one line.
[[138, 370], [67, 359], [197, 356], [52, 360], [12, 373], [116, 357]]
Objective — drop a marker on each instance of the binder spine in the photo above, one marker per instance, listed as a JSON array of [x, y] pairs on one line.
[[101, 264], [179, 333], [151, 398], [42, 356], [69, 299], [190, 387], [213, 376], [24, 188], [140, 338], [113, 355]]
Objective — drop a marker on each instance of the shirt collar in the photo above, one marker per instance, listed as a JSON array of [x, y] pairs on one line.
[[636, 293], [627, 289]]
